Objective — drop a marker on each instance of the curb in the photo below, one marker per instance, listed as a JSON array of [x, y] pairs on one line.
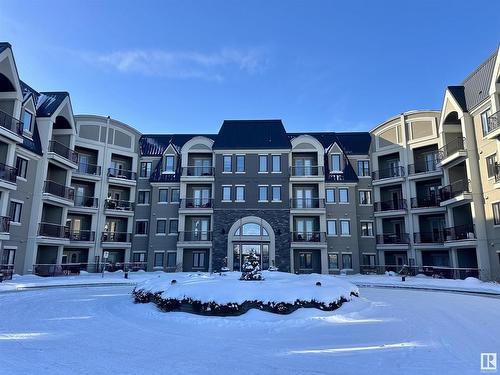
[[410, 287], [56, 286]]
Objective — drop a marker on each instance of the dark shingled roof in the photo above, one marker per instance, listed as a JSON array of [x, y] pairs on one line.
[[477, 84], [48, 102], [459, 95], [252, 134], [156, 144], [4, 46], [352, 143]]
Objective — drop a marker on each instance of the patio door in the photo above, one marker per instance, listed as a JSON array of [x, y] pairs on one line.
[[201, 197]]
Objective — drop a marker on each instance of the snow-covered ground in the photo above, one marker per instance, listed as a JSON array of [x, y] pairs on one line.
[[93, 330]]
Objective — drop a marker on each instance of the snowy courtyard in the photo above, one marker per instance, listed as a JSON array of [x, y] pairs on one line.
[[99, 330]]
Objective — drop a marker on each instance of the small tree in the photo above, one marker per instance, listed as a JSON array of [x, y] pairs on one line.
[[251, 268]]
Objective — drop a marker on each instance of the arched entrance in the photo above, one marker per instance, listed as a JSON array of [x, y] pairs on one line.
[[247, 235]]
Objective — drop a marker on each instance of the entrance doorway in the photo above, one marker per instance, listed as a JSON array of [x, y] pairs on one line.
[[241, 251]]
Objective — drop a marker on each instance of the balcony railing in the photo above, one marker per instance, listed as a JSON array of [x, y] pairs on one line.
[[81, 235], [88, 202], [450, 148], [493, 123], [74, 269], [335, 176], [306, 171], [4, 224], [90, 169], [309, 236], [198, 171], [391, 205], [116, 237], [53, 230], [196, 203], [307, 203], [121, 173], [195, 236], [393, 238], [425, 201], [454, 189], [392, 172], [114, 204], [59, 190], [424, 166], [8, 173], [62, 150], [10, 123], [429, 237], [460, 232]]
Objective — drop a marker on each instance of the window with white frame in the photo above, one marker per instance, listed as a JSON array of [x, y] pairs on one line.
[[335, 163], [161, 226], [240, 193], [276, 191], [173, 226], [27, 121], [491, 165], [227, 161], [162, 195], [15, 211], [484, 121], [240, 163], [331, 227], [263, 193], [172, 259], [145, 171], [369, 260], [141, 227], [363, 168], [276, 163], [347, 261], [174, 195], [262, 163], [158, 261], [22, 167], [143, 197], [496, 213], [139, 256], [330, 195], [198, 259], [226, 193], [343, 195], [345, 228], [333, 261], [367, 228], [365, 197], [169, 164]]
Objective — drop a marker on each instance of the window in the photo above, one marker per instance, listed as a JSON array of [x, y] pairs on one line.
[[226, 193], [263, 193], [262, 163], [145, 169], [159, 259], [276, 193], [198, 259], [369, 260], [347, 261], [331, 227], [251, 229], [15, 211], [171, 259], [496, 213], [365, 197], [240, 194], [491, 162], [27, 119], [138, 257], [161, 226], [173, 226], [367, 229], [141, 227], [240, 163], [330, 195], [276, 161], [345, 228], [175, 194], [144, 197], [343, 195], [333, 261], [163, 195], [169, 164], [22, 167], [363, 168], [335, 163], [305, 261], [227, 163], [484, 121]]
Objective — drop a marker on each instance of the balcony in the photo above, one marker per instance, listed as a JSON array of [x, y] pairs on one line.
[[58, 190], [335, 176], [493, 126], [390, 205], [116, 237], [392, 173], [119, 205], [307, 171], [8, 173], [87, 169], [195, 236], [13, 125], [435, 237], [4, 224], [197, 203], [393, 239], [86, 202], [424, 168], [307, 203], [309, 237], [455, 191], [425, 201], [121, 174], [198, 171], [63, 154], [452, 151], [81, 235], [53, 230], [460, 233]]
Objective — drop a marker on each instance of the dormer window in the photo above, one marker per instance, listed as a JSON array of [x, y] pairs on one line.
[[27, 120], [335, 163], [169, 164]]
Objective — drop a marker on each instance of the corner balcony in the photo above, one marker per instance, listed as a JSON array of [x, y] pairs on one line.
[[307, 173], [110, 238], [460, 235], [308, 239], [197, 173], [88, 171], [53, 233], [453, 151], [11, 127], [58, 193], [306, 205], [81, 236], [119, 207], [396, 207], [424, 204], [388, 175], [201, 238], [393, 240], [493, 126], [8, 177], [457, 192], [121, 176], [63, 155], [424, 169]]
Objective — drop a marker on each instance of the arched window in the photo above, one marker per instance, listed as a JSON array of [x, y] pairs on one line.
[[251, 229]]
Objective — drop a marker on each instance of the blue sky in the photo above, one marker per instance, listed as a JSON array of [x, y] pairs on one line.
[[185, 66]]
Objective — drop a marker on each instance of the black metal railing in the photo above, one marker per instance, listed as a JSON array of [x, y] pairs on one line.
[[198, 171], [115, 204], [197, 203], [53, 230], [116, 237], [81, 235], [121, 173], [305, 171], [4, 224], [314, 236], [390, 205], [335, 176], [393, 238], [64, 151], [450, 148], [425, 201], [454, 189], [195, 236], [307, 203], [74, 269], [11, 123], [392, 172], [6, 272], [87, 168], [8, 173], [492, 122], [432, 271], [423, 166], [88, 202], [460, 232], [59, 190], [436, 236]]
